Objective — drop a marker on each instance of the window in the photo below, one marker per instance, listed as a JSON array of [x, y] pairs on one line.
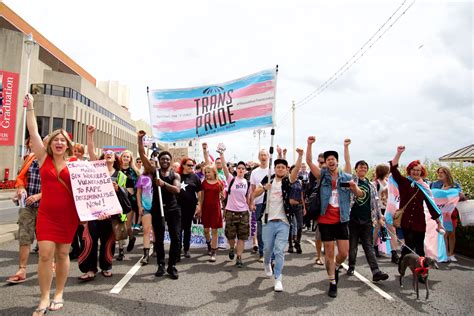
[[57, 91], [70, 127], [57, 123], [43, 125]]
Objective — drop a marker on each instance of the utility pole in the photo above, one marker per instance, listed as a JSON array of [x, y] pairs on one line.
[[293, 108]]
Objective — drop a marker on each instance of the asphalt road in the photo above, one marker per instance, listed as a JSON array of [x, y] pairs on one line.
[[221, 288]]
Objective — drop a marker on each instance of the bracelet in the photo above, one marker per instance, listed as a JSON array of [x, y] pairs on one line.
[[32, 109]]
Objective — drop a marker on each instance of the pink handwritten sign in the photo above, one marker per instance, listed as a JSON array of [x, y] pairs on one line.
[[92, 189]]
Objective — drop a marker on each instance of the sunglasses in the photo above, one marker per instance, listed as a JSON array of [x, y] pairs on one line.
[[189, 165], [109, 152]]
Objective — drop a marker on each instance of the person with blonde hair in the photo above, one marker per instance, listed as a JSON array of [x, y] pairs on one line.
[[209, 208], [57, 218]]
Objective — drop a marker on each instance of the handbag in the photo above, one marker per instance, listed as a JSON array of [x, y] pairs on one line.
[[397, 217], [119, 228]]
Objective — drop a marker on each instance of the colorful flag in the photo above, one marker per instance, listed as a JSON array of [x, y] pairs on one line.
[[446, 200], [181, 114]]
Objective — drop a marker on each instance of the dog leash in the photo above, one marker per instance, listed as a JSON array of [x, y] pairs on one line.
[[401, 242]]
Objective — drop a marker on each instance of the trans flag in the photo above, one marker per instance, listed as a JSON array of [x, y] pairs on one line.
[[181, 114], [447, 201]]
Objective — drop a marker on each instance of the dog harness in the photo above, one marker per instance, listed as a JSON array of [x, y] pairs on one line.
[[422, 270]]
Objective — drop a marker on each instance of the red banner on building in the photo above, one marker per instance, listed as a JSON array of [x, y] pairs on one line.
[[8, 103]]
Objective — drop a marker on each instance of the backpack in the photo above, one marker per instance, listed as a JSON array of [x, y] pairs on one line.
[[296, 189], [224, 202], [314, 202]]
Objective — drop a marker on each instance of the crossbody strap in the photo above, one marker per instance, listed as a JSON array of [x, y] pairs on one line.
[[417, 189]]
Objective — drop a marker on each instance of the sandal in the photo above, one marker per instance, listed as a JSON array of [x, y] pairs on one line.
[[106, 273], [89, 276], [41, 311], [319, 262], [17, 278], [53, 306]]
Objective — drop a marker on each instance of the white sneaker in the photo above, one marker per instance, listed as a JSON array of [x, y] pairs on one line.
[[452, 259], [278, 285], [268, 270]]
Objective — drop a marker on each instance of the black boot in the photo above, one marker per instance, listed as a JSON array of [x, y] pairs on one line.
[[121, 255], [146, 256], [298, 247], [173, 272], [160, 271], [290, 246], [131, 243], [377, 253], [395, 257]]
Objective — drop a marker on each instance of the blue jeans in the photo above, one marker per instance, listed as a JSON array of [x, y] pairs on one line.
[[275, 238], [259, 214]]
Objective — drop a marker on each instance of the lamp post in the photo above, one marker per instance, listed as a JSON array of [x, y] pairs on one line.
[[259, 132], [29, 45]]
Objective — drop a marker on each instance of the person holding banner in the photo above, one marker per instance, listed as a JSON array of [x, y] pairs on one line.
[[277, 217], [237, 221], [187, 200], [57, 217], [100, 229], [170, 185], [447, 200], [413, 192]]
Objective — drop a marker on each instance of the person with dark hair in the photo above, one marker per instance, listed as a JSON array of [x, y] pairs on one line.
[[236, 214], [187, 200], [100, 229], [413, 192], [170, 183], [277, 216], [365, 212], [57, 217], [336, 190]]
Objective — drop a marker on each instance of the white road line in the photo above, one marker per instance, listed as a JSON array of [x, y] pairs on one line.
[[119, 286], [363, 279]]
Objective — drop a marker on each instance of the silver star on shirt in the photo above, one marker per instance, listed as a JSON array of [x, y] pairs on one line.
[[183, 186]]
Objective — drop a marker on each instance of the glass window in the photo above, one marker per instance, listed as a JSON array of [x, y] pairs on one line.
[[57, 91], [43, 125], [70, 127], [57, 123]]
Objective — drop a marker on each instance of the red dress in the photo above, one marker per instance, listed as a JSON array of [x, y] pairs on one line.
[[211, 216], [57, 216]]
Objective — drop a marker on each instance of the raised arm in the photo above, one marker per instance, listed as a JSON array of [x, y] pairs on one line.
[[396, 159], [141, 152], [397, 176], [296, 169], [36, 142], [347, 157], [224, 165], [315, 170], [207, 161], [90, 142]]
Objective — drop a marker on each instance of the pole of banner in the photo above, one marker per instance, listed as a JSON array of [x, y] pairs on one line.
[[294, 130], [160, 197], [270, 161]]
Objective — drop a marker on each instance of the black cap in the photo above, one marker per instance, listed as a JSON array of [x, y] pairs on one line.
[[280, 161], [331, 153]]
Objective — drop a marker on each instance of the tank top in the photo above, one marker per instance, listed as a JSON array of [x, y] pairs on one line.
[[169, 199]]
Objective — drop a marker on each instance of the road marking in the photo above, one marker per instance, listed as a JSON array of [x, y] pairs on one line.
[[363, 279], [119, 286]]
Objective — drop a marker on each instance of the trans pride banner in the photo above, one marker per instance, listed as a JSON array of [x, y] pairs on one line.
[[435, 246], [181, 114], [446, 200]]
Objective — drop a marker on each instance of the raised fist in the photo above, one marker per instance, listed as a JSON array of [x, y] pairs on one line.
[[141, 134], [299, 151], [400, 149], [347, 142], [29, 100], [204, 146], [311, 140], [90, 129]]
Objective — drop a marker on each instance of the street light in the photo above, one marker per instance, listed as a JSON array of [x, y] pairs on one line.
[[29, 45], [259, 132]]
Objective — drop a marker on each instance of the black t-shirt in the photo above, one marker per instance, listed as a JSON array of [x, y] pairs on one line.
[[361, 209], [190, 186], [169, 199]]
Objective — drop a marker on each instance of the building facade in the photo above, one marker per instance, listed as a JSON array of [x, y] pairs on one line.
[[66, 96]]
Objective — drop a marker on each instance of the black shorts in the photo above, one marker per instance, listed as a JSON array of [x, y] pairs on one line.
[[331, 232]]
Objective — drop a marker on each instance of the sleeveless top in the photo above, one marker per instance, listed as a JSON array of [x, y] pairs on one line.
[[170, 203]]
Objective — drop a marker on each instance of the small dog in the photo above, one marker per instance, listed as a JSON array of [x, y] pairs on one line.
[[419, 266]]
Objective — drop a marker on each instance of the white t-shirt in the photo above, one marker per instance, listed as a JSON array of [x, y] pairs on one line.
[[256, 178], [276, 209]]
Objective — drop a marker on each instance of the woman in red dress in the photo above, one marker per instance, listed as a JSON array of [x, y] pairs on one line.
[[57, 216], [209, 209]]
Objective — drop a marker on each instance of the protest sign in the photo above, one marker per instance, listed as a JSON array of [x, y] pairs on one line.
[[92, 189]]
